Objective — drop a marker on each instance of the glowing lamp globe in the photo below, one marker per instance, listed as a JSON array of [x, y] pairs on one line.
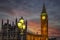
[[19, 25], [21, 20], [24, 27], [43, 17]]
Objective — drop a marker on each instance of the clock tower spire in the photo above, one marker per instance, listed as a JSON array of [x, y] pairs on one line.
[[44, 23], [44, 9]]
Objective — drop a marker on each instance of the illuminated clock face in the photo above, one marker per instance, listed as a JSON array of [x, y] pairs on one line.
[[43, 17]]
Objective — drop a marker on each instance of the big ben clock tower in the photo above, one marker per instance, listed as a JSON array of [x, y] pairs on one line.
[[44, 24]]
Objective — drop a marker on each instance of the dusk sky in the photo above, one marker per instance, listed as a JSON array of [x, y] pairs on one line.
[[31, 10]]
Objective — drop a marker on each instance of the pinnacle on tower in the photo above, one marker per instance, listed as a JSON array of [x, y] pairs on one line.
[[7, 21], [16, 21], [12, 23], [2, 22], [44, 9], [26, 23]]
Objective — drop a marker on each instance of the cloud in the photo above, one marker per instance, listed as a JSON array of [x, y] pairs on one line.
[[6, 10]]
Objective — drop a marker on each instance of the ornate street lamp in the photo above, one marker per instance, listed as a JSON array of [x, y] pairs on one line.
[[21, 25]]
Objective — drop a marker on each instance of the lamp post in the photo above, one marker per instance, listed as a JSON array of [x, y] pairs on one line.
[[22, 27]]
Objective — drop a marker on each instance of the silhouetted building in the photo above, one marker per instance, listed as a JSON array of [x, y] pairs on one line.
[[12, 32]]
